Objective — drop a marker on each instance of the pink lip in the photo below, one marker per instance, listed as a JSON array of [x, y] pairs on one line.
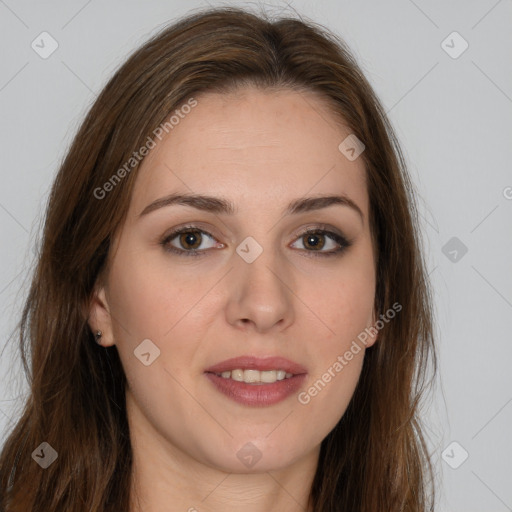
[[257, 394], [257, 363]]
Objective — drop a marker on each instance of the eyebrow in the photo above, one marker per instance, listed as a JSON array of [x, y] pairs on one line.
[[220, 205]]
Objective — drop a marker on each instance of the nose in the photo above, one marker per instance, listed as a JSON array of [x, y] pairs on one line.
[[261, 294]]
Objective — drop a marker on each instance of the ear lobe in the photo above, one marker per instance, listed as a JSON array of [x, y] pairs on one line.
[[99, 316]]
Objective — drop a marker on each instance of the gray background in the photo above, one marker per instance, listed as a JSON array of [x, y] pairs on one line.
[[453, 118]]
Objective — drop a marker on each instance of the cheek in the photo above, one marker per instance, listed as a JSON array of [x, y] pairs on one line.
[[156, 303], [150, 304], [343, 308], [325, 398], [150, 299], [350, 309]]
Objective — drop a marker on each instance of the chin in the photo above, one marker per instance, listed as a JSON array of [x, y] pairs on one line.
[[250, 455]]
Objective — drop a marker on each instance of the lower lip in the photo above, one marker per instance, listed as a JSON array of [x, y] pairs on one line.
[[257, 394]]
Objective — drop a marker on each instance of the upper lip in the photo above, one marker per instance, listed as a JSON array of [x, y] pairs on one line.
[[257, 363]]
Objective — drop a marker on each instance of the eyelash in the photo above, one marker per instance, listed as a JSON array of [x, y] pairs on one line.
[[342, 241]]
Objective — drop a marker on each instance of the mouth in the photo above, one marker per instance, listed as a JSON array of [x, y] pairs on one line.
[[257, 381]]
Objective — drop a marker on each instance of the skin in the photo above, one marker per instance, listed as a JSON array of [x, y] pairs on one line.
[[259, 149]]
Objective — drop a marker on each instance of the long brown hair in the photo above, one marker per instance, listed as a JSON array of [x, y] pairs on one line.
[[376, 458]]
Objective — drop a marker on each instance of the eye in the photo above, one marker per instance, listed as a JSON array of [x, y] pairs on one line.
[[190, 238], [315, 238], [190, 242]]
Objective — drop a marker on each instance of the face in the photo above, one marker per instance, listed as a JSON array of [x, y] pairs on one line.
[[248, 283]]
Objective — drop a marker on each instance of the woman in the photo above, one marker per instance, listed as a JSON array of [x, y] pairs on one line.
[[231, 305]]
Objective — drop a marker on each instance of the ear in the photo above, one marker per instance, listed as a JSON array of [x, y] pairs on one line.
[[99, 317]]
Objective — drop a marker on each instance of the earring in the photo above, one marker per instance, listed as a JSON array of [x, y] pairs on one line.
[[98, 336]]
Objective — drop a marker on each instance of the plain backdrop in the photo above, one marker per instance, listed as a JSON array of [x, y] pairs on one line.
[[443, 73]]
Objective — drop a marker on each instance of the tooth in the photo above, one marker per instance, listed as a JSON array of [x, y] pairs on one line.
[[251, 376], [281, 374], [268, 376], [255, 376], [237, 375]]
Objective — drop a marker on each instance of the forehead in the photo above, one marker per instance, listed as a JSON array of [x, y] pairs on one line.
[[258, 147]]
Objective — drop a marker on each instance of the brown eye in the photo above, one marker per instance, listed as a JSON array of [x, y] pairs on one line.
[[314, 241], [190, 239]]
